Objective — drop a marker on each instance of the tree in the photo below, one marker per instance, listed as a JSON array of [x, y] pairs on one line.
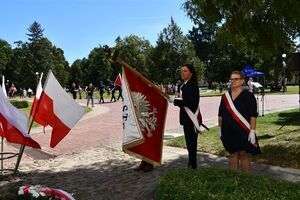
[[41, 56], [76, 73], [267, 28], [18, 61], [60, 66], [172, 50], [6, 54], [35, 32], [134, 51], [96, 67]]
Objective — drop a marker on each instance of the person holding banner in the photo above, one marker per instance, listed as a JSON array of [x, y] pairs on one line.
[[189, 104], [237, 123]]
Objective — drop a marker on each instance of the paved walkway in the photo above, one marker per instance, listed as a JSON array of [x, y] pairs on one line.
[[89, 161]]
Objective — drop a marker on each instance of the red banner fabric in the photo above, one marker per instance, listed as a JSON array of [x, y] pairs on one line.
[[150, 118]]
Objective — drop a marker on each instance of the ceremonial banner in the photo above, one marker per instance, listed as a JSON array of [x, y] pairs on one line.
[[118, 80], [13, 123], [57, 109], [144, 115]]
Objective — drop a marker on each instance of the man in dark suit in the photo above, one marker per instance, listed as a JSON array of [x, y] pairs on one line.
[[101, 92], [74, 90], [190, 100]]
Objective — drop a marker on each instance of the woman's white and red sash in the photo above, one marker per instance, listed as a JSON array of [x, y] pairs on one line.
[[195, 117], [238, 117]]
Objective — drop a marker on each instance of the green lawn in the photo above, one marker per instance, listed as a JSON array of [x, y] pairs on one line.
[[290, 90], [220, 184], [106, 96], [280, 147]]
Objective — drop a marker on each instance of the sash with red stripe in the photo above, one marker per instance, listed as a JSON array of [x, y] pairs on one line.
[[195, 117], [238, 117]]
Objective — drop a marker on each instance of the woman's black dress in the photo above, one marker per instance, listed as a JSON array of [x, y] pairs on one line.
[[234, 137]]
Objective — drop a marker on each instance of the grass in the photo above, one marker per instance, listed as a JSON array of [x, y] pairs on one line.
[[96, 96], [279, 147], [290, 90], [220, 184]]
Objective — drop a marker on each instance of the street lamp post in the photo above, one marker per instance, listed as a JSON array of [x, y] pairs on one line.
[[37, 77], [284, 66]]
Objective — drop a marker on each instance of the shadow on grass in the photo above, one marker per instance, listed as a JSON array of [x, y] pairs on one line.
[[265, 137], [289, 118], [284, 156], [109, 179]]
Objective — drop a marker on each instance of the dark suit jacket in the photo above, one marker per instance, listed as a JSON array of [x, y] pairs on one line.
[[190, 99]]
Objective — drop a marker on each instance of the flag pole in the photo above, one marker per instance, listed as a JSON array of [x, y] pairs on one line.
[[21, 151], [2, 149]]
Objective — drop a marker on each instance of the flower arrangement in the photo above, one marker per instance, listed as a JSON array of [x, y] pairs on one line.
[[39, 192]]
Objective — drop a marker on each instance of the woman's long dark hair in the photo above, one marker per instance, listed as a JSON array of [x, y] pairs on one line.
[[193, 71]]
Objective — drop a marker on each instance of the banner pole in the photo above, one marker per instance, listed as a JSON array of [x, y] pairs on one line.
[[2, 149]]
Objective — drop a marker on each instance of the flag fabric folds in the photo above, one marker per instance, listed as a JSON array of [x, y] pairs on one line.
[[36, 99], [144, 115], [118, 81], [57, 109], [13, 124]]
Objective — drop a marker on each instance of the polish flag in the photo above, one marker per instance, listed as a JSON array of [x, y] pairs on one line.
[[57, 109], [3, 86], [118, 80], [13, 124], [37, 97], [144, 115]]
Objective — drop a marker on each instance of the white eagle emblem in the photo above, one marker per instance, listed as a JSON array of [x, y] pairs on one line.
[[146, 119]]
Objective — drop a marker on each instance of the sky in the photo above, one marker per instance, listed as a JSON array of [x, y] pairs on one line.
[[78, 26]]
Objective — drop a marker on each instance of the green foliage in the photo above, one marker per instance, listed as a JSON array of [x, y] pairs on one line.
[[231, 34], [173, 50], [19, 104], [76, 73], [279, 147], [5, 55], [134, 51], [93, 69], [37, 55], [210, 183], [35, 32]]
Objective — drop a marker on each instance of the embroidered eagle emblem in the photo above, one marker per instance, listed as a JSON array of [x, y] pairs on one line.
[[146, 118]]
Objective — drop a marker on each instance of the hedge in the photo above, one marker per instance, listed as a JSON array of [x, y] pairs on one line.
[[19, 104]]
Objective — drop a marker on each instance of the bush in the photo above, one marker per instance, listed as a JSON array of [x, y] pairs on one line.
[[210, 183], [19, 104]]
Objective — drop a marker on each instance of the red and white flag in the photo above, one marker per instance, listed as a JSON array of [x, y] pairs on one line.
[[37, 97], [13, 124], [144, 115], [3, 86], [118, 80], [57, 109]]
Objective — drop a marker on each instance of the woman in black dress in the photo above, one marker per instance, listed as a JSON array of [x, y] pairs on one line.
[[190, 100], [237, 123]]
